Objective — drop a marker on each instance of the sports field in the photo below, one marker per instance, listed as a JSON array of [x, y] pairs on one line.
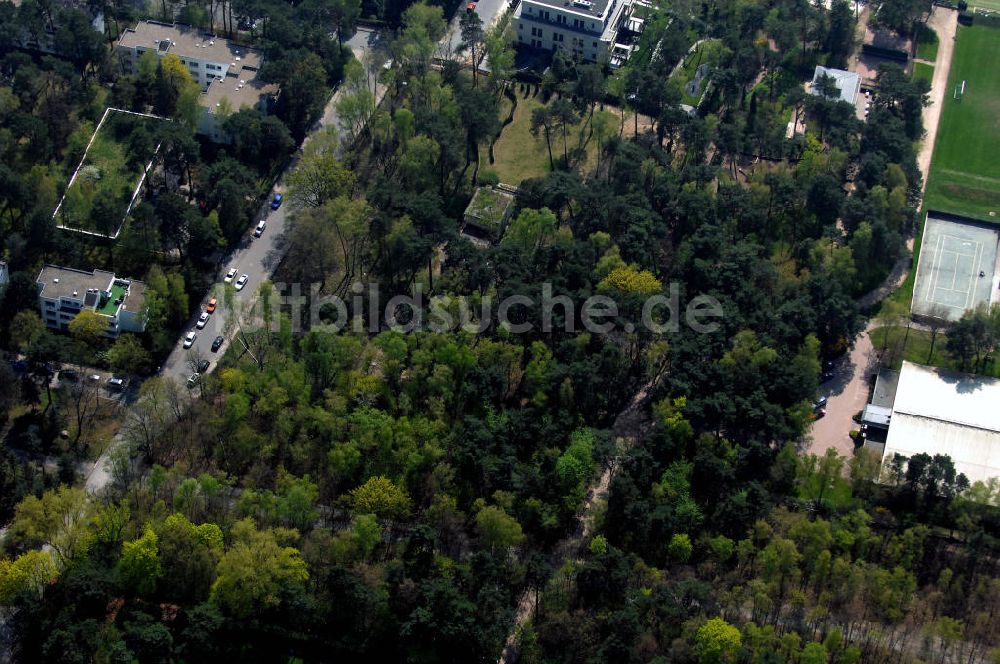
[[989, 5], [965, 173], [956, 267]]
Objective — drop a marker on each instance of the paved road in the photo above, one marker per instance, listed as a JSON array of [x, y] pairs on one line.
[[255, 257], [489, 11], [846, 393]]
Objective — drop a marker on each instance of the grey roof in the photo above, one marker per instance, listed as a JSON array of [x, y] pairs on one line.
[[877, 415], [56, 282], [848, 82], [885, 388], [185, 41], [593, 8]]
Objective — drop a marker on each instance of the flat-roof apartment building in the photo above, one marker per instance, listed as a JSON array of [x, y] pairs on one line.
[[587, 28], [223, 69], [64, 292]]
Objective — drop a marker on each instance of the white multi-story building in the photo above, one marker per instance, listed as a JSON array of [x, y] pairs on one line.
[[223, 69], [587, 28], [64, 292]]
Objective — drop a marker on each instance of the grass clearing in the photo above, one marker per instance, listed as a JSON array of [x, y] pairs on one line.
[[100, 191], [519, 154], [924, 71], [965, 173], [708, 53], [916, 346], [927, 43]]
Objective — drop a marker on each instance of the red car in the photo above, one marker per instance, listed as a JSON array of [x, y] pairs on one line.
[[211, 305], [471, 7]]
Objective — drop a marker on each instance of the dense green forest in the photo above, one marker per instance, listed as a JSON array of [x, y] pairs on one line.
[[338, 494]]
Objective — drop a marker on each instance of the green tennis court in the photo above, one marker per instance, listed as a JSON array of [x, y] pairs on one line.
[[956, 268]]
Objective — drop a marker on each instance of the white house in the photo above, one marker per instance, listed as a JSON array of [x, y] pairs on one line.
[[587, 28], [64, 292], [225, 70]]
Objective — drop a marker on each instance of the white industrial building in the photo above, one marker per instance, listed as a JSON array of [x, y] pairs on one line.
[[64, 292], [946, 412], [589, 29], [225, 70]]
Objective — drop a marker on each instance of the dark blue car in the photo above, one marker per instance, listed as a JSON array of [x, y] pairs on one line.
[[276, 201]]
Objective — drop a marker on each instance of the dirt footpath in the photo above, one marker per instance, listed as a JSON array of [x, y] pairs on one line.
[[945, 23]]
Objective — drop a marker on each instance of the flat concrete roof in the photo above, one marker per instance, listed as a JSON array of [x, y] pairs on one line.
[[241, 90], [946, 412], [593, 8], [877, 415], [59, 282], [186, 41], [885, 388]]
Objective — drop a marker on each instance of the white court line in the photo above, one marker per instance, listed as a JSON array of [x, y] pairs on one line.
[[935, 273], [976, 269]]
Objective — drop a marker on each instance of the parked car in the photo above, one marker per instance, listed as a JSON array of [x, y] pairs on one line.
[[820, 403], [261, 225], [212, 304], [116, 383], [189, 339], [230, 276], [203, 366], [276, 201], [826, 376], [242, 281], [69, 374], [202, 320], [193, 380], [217, 344], [95, 377]]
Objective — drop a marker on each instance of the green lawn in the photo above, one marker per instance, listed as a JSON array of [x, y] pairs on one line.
[[927, 43], [924, 71], [109, 308], [992, 5], [708, 52], [520, 155], [965, 173], [915, 346]]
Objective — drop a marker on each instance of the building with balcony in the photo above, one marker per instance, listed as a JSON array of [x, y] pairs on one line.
[[590, 29], [227, 72], [64, 292]]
